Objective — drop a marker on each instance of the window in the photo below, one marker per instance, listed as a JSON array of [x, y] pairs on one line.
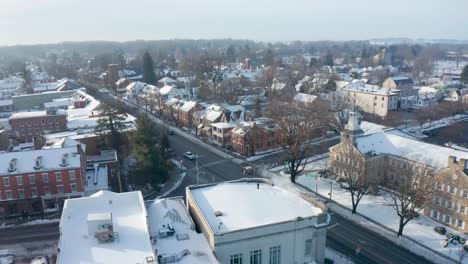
[[50, 121], [236, 259], [29, 122], [21, 123], [449, 205], [6, 181], [60, 188], [32, 179], [21, 193], [464, 194], [19, 180], [57, 121], [46, 190], [58, 176], [72, 175], [43, 122], [45, 177], [308, 248], [8, 194], [275, 255], [460, 223], [73, 187], [33, 192], [256, 257], [435, 214], [36, 122], [452, 190], [447, 219], [462, 209]]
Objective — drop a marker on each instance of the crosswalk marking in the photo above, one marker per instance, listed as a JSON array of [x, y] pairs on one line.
[[212, 163]]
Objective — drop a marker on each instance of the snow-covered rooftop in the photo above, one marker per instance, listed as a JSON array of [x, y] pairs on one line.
[[414, 150], [172, 212], [51, 160], [21, 115], [368, 88], [188, 106], [244, 206], [305, 98], [128, 211]]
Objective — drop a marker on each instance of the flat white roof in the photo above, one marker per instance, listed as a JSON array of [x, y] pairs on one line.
[[244, 206], [20, 115], [128, 219], [172, 211]]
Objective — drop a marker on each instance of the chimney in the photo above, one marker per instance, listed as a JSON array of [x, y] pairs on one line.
[[452, 160], [463, 165]]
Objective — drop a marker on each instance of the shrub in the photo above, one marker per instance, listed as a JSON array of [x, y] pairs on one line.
[[328, 261]]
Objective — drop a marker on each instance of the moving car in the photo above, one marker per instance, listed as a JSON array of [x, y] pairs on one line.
[[189, 155]]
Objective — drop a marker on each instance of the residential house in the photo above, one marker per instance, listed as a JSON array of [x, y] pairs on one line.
[[256, 137], [187, 111], [401, 83]]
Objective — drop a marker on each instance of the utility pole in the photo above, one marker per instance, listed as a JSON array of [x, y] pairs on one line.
[[196, 169]]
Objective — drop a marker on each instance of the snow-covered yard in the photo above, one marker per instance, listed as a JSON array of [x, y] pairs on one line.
[[421, 229]]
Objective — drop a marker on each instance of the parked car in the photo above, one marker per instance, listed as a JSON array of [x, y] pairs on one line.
[[189, 155], [39, 260], [248, 170], [440, 229], [171, 132]]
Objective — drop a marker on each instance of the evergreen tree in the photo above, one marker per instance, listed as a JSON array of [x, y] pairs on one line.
[[150, 143], [330, 86], [148, 69], [464, 75], [231, 54], [111, 123], [269, 58], [328, 61]]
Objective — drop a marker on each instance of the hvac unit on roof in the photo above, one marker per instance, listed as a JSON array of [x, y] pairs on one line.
[[12, 165], [38, 163], [64, 160]]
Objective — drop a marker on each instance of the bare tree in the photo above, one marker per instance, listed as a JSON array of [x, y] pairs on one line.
[[409, 193], [352, 179], [338, 114], [189, 68], [298, 124]]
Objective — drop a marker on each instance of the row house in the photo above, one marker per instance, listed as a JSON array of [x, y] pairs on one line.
[[381, 156], [38, 181], [256, 137], [187, 111], [27, 125]]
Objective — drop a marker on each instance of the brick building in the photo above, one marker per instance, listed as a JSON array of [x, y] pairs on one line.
[[256, 137], [38, 181], [379, 156], [186, 113], [27, 125]]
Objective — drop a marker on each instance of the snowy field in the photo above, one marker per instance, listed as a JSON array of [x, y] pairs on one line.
[[421, 229]]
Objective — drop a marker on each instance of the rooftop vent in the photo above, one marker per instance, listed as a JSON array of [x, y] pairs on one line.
[[64, 160], [12, 165], [218, 213], [38, 163]]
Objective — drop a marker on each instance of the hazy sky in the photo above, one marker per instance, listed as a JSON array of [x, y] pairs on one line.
[[46, 21]]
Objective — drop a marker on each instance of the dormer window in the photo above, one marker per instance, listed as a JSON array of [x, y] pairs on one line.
[[12, 165], [38, 163], [64, 160]]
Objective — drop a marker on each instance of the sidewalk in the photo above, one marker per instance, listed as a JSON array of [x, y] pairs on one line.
[[176, 176]]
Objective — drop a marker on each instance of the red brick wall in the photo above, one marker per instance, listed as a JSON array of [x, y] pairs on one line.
[[40, 184], [25, 129]]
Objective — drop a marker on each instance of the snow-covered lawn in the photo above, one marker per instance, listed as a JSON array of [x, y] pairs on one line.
[[337, 257], [421, 229]]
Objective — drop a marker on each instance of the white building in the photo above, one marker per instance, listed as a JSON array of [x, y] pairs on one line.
[[106, 227], [176, 240], [371, 98], [252, 221]]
